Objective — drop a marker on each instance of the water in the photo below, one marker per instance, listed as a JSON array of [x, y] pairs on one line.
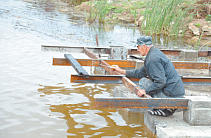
[[36, 98]]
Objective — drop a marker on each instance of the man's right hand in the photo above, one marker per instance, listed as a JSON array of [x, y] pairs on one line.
[[118, 69], [141, 93]]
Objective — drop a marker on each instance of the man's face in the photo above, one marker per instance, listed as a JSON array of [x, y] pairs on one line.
[[142, 49]]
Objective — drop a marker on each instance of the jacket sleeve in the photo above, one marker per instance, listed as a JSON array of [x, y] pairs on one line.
[[157, 74], [138, 73]]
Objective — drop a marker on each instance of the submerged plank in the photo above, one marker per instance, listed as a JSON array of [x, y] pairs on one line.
[[156, 103], [104, 79]]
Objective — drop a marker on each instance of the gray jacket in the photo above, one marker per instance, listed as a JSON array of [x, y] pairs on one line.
[[161, 72]]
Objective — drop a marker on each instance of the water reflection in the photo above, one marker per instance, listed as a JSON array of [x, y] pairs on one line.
[[85, 121]]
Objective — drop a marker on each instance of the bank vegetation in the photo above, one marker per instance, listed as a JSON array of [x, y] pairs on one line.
[[167, 17]]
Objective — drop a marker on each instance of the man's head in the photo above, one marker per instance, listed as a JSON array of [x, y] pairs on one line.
[[143, 44]]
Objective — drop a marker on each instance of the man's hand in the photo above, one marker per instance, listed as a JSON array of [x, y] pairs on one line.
[[118, 69], [141, 93]]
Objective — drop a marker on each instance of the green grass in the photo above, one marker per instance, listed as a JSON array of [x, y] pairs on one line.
[[197, 25], [74, 2], [166, 17], [118, 10], [161, 16], [138, 4], [208, 18], [100, 10]]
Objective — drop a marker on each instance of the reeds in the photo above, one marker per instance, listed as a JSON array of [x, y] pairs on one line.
[[166, 17], [99, 10]]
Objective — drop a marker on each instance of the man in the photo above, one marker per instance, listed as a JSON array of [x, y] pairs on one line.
[[163, 82]]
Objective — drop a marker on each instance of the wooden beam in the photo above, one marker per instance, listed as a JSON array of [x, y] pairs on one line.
[[80, 70], [75, 49], [171, 52], [197, 80], [82, 62], [107, 50], [155, 103], [90, 54], [166, 52], [204, 53], [129, 82], [94, 62], [100, 50], [131, 63], [191, 65]]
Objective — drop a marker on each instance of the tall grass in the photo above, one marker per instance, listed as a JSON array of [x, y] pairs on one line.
[[166, 17], [102, 8], [99, 10], [136, 5]]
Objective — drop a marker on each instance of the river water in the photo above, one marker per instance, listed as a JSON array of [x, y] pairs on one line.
[[36, 98]]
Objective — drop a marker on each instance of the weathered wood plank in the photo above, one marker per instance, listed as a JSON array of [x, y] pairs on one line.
[[82, 62], [156, 103], [128, 82], [73, 49], [131, 64], [190, 65], [94, 62], [107, 50]]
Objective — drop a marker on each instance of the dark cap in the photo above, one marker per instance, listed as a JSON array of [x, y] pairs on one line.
[[144, 40]]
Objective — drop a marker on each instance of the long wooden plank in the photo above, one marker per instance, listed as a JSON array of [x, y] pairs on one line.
[[172, 52], [90, 54], [80, 70], [131, 64], [74, 49], [129, 82], [94, 62], [197, 80], [82, 62], [204, 53], [106, 50], [155, 103], [191, 65]]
